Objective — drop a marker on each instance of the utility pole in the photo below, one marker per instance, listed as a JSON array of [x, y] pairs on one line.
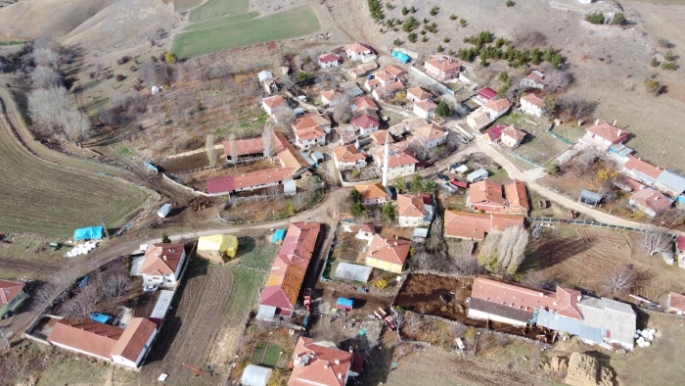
[[102, 221]]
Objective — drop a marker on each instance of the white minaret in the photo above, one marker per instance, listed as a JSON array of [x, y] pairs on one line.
[[386, 159]]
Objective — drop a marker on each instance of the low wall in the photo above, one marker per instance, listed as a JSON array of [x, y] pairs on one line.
[[189, 189]]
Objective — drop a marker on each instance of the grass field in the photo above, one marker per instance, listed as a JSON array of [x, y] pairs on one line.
[[217, 8], [219, 21], [182, 5], [221, 36], [46, 199]]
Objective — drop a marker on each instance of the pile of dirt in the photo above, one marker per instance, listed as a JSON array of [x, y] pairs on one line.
[[584, 370]]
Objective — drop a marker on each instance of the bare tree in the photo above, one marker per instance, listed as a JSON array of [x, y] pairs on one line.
[[655, 241], [557, 81], [268, 139], [44, 292], [511, 249], [284, 117], [209, 149], [342, 112], [45, 107], [453, 139], [45, 77], [488, 251], [76, 126], [586, 159], [42, 42], [418, 149], [412, 322], [148, 71], [437, 237], [234, 149], [619, 281], [577, 107], [46, 57], [117, 285], [83, 303]]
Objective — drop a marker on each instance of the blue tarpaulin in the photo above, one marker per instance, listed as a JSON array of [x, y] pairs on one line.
[[98, 317], [345, 303], [278, 236], [90, 233], [402, 57]]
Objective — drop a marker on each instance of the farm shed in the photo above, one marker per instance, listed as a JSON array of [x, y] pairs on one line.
[[217, 247], [289, 187], [477, 175], [164, 210], [254, 375], [353, 272], [162, 306], [89, 233], [589, 198]]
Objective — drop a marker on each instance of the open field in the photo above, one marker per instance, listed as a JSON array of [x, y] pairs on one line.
[[47, 199], [295, 22], [217, 8], [538, 145]]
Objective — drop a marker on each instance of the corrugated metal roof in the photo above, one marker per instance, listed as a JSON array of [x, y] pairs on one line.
[[615, 318], [254, 375], [500, 310], [420, 232], [354, 272], [672, 180], [558, 322], [162, 305], [590, 195]]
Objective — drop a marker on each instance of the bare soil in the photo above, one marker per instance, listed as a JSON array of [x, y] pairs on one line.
[[436, 295]]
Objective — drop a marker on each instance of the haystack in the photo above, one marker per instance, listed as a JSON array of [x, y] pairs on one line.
[[217, 248]]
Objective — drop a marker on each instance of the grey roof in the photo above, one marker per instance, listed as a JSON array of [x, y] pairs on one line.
[[500, 310], [592, 196], [266, 312], [162, 305], [289, 186], [480, 173], [354, 272], [554, 321], [264, 75], [672, 180], [420, 232], [317, 155], [643, 177], [306, 157], [254, 375], [615, 318]]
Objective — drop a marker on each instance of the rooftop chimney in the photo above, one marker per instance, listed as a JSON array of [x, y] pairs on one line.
[[350, 350], [596, 122], [339, 375], [614, 124], [325, 365], [164, 257], [336, 361]]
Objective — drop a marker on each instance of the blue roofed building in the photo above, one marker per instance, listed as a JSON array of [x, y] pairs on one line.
[[670, 183]]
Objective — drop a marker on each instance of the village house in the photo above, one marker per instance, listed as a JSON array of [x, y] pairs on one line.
[[485, 195], [493, 135], [415, 210], [442, 68], [388, 91], [388, 253], [474, 226], [627, 184], [322, 364], [362, 70], [380, 137], [363, 104], [365, 125], [288, 271], [374, 194], [251, 181], [534, 80], [329, 60], [602, 135], [670, 183], [254, 147], [401, 162], [332, 97], [485, 95], [347, 134], [532, 104], [124, 347], [416, 94], [425, 109], [478, 119], [593, 320], [650, 202], [347, 157], [496, 108], [266, 79], [372, 83], [676, 303], [511, 137], [395, 71], [430, 136], [163, 264], [271, 104], [310, 130], [516, 196], [366, 232], [358, 51], [12, 295], [641, 170]]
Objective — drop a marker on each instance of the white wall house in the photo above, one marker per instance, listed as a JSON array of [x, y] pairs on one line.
[[163, 264]]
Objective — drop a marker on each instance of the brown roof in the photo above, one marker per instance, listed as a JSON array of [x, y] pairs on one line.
[[261, 177], [486, 191], [308, 126], [371, 191], [480, 118], [533, 99], [273, 101], [535, 77], [385, 76], [347, 154], [332, 95], [8, 290], [676, 301], [390, 89], [395, 71], [411, 205], [132, 342], [398, 157], [651, 199], [368, 228], [364, 102], [318, 364], [425, 105], [511, 295], [429, 132], [643, 167], [518, 135], [357, 48], [379, 137], [609, 132], [475, 225], [444, 64], [162, 259], [516, 194], [254, 145], [419, 93], [497, 105], [93, 338], [390, 249], [623, 180]]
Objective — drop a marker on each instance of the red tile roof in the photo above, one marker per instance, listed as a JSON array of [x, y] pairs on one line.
[[643, 167], [358, 48], [391, 89], [419, 93], [368, 228], [8, 290], [426, 105], [347, 154], [365, 122], [516, 134], [533, 99], [220, 184], [444, 64], [498, 105], [487, 93], [681, 243], [475, 225], [372, 191], [486, 191], [609, 132], [319, 364], [409, 205], [398, 157], [517, 196], [162, 259], [132, 342], [390, 249], [379, 137], [429, 132], [395, 71], [273, 101], [93, 338], [308, 127], [495, 133], [327, 58], [364, 102], [331, 95], [676, 301], [652, 199], [254, 145], [564, 301]]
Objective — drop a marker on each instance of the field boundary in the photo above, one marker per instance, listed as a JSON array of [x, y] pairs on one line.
[[549, 221]]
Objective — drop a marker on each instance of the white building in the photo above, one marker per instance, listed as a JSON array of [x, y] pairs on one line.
[[163, 264]]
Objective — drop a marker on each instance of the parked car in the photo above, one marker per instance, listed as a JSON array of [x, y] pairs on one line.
[[443, 177], [150, 288], [458, 183]]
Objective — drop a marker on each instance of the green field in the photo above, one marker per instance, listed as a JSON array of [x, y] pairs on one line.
[[239, 31], [50, 200], [220, 21], [218, 8]]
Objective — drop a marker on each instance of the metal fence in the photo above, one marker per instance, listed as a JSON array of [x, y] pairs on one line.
[[526, 159], [557, 136], [544, 220]]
